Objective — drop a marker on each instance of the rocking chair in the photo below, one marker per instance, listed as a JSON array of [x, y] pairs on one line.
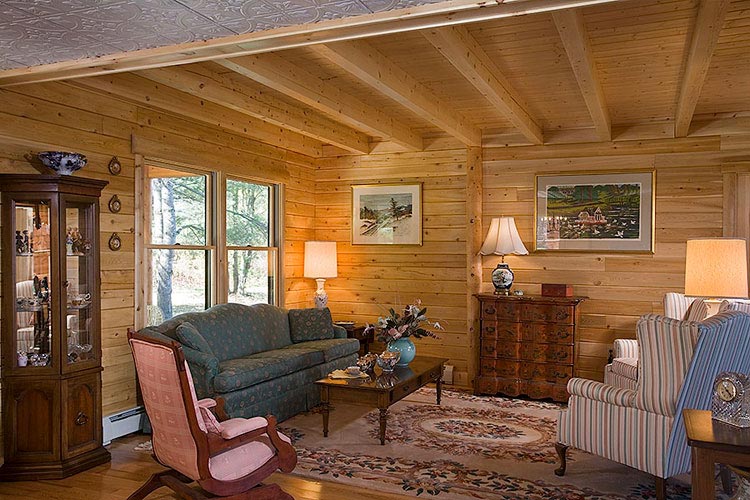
[[227, 457]]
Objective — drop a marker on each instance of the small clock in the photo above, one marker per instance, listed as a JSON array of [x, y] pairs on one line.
[[731, 399], [502, 279]]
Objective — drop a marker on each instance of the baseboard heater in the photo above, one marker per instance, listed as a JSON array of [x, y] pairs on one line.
[[122, 423]]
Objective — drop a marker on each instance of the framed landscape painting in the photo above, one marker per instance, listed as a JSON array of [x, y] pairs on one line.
[[600, 212], [385, 214]]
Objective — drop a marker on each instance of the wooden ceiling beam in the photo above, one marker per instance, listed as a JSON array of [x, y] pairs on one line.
[[382, 23], [708, 24], [211, 86], [275, 72], [468, 57], [153, 95], [576, 42], [367, 64]]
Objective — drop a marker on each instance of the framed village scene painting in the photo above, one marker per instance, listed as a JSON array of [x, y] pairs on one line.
[[384, 214], [601, 212]]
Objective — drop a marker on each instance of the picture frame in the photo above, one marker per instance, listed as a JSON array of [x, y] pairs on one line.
[[595, 211], [387, 214]]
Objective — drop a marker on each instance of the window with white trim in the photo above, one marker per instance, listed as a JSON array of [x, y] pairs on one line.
[[208, 239]]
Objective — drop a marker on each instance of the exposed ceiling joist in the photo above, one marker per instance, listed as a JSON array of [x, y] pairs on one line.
[[394, 21], [708, 24], [275, 72], [576, 42], [154, 95], [367, 64], [220, 90], [463, 51]]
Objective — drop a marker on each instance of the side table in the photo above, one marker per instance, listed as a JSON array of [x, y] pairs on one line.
[[354, 331], [713, 442]]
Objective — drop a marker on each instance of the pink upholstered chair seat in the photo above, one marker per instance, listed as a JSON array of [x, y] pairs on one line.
[[240, 462]]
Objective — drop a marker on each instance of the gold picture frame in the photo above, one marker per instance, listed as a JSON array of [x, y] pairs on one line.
[[606, 211], [387, 214]]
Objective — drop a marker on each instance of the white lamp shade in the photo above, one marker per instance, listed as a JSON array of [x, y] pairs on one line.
[[716, 268], [320, 259], [503, 239]]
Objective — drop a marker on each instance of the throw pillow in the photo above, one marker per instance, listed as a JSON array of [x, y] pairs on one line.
[[697, 311], [310, 324], [189, 335]]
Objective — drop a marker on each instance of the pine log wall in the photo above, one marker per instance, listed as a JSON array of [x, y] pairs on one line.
[[696, 179], [99, 126]]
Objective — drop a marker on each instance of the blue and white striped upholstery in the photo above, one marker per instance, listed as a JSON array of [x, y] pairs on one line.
[[643, 428]]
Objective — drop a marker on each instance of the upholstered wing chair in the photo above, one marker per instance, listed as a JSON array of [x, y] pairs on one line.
[[643, 427], [227, 458]]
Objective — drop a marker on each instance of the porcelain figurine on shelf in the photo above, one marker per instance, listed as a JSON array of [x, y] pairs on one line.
[[19, 243]]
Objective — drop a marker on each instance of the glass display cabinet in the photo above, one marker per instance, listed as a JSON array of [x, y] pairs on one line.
[[51, 326]]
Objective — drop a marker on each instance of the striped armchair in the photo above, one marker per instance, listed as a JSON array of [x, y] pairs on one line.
[[643, 427]]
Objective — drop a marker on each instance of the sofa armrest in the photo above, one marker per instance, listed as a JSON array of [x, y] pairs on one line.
[[339, 332], [598, 391], [203, 368], [625, 348]]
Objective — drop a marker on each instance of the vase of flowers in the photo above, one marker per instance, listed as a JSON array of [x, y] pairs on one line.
[[396, 330]]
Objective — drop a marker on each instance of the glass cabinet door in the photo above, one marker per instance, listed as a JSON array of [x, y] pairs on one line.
[[78, 278], [33, 278]]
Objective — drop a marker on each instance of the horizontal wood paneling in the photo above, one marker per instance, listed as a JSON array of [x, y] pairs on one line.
[[372, 278], [59, 116], [621, 287]]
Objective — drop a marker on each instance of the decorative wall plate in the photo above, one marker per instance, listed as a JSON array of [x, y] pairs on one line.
[[114, 166], [115, 243], [115, 205]]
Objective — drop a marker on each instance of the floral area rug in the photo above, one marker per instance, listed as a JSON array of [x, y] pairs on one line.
[[468, 447]]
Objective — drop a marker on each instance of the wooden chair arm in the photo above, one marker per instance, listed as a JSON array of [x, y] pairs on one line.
[[219, 410]]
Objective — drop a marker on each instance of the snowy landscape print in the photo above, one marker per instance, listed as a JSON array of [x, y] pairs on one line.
[[386, 215]]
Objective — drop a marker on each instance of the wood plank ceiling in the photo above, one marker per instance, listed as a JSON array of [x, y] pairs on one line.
[[631, 69]]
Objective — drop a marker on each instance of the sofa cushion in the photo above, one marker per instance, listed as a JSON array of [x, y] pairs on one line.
[[235, 374], [189, 335], [331, 348], [310, 324]]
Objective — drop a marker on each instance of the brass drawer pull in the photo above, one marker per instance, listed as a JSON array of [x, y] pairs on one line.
[[490, 310], [81, 418], [490, 329]]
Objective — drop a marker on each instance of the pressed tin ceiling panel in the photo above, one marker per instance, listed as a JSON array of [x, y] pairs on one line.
[[34, 32]]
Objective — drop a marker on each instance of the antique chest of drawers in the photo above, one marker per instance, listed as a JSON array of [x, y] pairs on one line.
[[527, 345]]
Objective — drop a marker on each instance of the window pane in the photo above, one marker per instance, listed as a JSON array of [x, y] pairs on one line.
[[178, 207], [248, 213], [251, 276], [178, 283]]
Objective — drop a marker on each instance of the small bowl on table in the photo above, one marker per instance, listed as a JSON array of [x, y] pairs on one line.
[[367, 362]]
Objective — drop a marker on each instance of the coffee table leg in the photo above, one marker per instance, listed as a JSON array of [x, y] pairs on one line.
[[326, 409], [383, 420], [438, 388]]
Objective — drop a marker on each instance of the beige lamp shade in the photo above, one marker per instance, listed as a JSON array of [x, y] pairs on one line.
[[320, 259], [503, 239], [716, 268]]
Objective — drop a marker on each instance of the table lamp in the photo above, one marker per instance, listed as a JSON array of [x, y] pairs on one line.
[[502, 239], [320, 263], [716, 268]]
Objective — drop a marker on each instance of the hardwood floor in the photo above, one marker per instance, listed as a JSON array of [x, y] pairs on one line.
[[130, 468]]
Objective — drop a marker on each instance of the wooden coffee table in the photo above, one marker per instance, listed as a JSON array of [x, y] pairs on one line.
[[381, 390]]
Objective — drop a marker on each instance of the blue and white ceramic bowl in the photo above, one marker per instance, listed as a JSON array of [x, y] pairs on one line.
[[62, 162]]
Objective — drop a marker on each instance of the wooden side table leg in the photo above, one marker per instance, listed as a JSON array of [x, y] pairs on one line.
[[703, 474], [438, 388], [383, 420], [324, 397]]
